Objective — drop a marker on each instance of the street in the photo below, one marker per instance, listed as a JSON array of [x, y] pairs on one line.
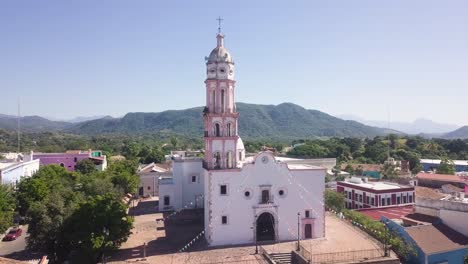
[[7, 248]]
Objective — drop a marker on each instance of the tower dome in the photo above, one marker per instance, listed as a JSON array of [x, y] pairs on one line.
[[220, 53]]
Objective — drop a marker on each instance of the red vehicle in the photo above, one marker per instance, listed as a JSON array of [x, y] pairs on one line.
[[13, 234]]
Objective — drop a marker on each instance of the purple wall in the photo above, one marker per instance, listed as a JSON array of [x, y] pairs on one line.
[[68, 160]]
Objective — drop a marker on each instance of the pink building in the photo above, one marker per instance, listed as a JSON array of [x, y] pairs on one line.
[[362, 194], [69, 159]]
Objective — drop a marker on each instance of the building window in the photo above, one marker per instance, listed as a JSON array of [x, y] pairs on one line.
[[194, 178], [265, 196], [388, 201], [223, 190], [404, 198], [367, 198], [372, 201], [224, 220], [349, 195], [307, 213], [149, 188], [62, 165], [383, 201], [167, 200], [75, 159], [410, 198], [247, 193], [356, 196], [360, 198], [398, 200], [282, 192]]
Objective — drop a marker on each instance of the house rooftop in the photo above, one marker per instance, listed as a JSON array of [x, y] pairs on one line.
[[440, 177], [437, 238], [378, 186], [390, 212], [428, 193], [438, 161]]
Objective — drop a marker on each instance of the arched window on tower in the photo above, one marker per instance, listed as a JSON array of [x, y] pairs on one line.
[[217, 130], [229, 160], [228, 130], [222, 101], [217, 160]]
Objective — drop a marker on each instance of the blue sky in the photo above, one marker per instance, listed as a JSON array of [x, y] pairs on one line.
[[366, 58]]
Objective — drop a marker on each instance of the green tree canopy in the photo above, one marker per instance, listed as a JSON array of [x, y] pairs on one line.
[[7, 207], [99, 225], [446, 167], [334, 200], [85, 166]]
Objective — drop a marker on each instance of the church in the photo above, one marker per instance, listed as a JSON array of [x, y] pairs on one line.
[[245, 198]]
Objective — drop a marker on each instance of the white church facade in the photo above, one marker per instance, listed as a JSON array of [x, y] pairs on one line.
[[245, 199]]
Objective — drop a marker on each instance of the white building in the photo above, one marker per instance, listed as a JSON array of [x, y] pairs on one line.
[[245, 199], [12, 172]]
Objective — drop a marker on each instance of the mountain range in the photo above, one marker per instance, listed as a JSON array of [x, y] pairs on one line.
[[418, 126], [283, 121]]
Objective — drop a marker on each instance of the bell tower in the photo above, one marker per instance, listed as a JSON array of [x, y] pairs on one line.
[[223, 147]]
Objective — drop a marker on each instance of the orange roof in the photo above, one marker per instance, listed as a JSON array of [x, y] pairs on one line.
[[439, 177], [365, 167], [428, 193]]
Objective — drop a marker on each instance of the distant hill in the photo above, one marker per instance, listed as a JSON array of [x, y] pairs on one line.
[[284, 121], [418, 126], [461, 133], [31, 123]]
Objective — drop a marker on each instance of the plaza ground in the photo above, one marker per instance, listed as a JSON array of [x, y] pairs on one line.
[[164, 242]]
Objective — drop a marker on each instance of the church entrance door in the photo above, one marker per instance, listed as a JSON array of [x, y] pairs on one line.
[[265, 227]]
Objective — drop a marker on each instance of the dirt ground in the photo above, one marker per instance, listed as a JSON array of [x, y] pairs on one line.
[[164, 241]]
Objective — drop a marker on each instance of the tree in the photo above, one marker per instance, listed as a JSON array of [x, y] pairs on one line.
[[174, 142], [389, 171], [7, 207], [349, 169], [85, 166], [334, 200], [359, 171], [446, 167], [99, 225]]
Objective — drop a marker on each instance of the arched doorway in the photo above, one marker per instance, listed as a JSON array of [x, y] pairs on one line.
[[265, 227]]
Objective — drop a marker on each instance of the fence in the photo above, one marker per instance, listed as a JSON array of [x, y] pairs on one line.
[[340, 257]]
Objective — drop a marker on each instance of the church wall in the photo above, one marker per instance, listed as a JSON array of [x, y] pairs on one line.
[[188, 191], [241, 210]]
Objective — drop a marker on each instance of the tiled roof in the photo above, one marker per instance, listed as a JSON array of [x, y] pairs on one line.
[[437, 238], [365, 167], [392, 212], [439, 177], [428, 193]]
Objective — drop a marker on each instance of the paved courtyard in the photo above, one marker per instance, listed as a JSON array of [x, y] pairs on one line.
[[164, 242]]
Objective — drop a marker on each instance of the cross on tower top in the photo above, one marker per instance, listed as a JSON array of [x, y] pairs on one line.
[[219, 24]]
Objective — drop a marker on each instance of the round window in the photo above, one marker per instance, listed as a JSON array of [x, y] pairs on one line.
[[281, 192], [247, 193]]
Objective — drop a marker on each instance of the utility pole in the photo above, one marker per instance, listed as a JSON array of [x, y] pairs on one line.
[[255, 232], [298, 232]]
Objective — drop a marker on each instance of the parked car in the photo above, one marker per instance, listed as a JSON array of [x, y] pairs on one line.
[[13, 234]]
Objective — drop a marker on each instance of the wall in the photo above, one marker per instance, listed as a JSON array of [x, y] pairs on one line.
[[14, 173], [456, 220], [455, 257], [241, 210], [68, 160]]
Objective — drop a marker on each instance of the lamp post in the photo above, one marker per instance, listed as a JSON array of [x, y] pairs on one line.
[[255, 232], [298, 232]]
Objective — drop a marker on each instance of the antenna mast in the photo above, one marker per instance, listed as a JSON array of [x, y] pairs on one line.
[[19, 127]]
